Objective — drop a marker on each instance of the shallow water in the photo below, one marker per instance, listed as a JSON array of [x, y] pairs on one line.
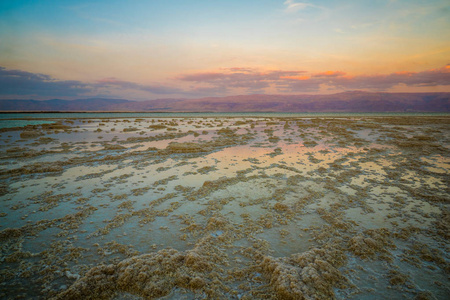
[[261, 207]]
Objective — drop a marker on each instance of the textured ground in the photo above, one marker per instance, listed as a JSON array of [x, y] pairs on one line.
[[226, 208]]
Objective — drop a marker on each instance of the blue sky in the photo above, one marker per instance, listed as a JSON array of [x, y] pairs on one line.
[[148, 49]]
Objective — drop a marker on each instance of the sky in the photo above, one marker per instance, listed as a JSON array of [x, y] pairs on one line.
[[144, 50]]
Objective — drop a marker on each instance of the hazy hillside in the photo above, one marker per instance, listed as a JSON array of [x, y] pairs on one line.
[[94, 104], [342, 102]]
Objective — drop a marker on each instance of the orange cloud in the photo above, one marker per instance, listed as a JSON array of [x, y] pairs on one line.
[[404, 73], [329, 74], [296, 77], [239, 69]]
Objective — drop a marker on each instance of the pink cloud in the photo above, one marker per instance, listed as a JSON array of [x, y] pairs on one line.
[[154, 88], [202, 77], [239, 69], [432, 77], [301, 81], [246, 78], [329, 74]]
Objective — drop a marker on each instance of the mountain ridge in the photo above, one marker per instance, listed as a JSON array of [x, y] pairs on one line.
[[352, 101]]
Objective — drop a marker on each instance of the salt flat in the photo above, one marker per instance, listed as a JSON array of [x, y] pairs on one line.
[[226, 208]]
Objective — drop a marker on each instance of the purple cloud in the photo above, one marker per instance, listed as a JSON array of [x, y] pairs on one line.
[[301, 81], [434, 77], [246, 78], [205, 77], [16, 82], [155, 89]]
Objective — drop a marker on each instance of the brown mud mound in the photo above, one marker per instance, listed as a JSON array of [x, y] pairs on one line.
[[30, 134], [150, 275], [443, 225], [371, 242], [308, 275], [187, 147]]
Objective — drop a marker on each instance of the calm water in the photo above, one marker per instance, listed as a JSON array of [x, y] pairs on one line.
[[9, 120], [20, 123]]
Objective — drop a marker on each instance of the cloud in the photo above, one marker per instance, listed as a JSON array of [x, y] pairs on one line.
[[240, 69], [428, 78], [292, 6], [16, 82], [155, 89], [251, 80], [205, 77], [304, 11], [225, 81], [329, 74], [302, 81]]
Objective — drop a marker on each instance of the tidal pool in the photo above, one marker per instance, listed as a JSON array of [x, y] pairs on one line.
[[226, 208]]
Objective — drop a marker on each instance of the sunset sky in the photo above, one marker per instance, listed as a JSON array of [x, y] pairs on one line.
[[142, 50]]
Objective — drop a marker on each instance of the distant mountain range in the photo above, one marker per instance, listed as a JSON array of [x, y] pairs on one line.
[[342, 102]]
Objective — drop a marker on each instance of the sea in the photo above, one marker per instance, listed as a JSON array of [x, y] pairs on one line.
[[11, 120]]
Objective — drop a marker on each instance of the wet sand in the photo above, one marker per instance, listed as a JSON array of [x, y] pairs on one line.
[[226, 208]]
